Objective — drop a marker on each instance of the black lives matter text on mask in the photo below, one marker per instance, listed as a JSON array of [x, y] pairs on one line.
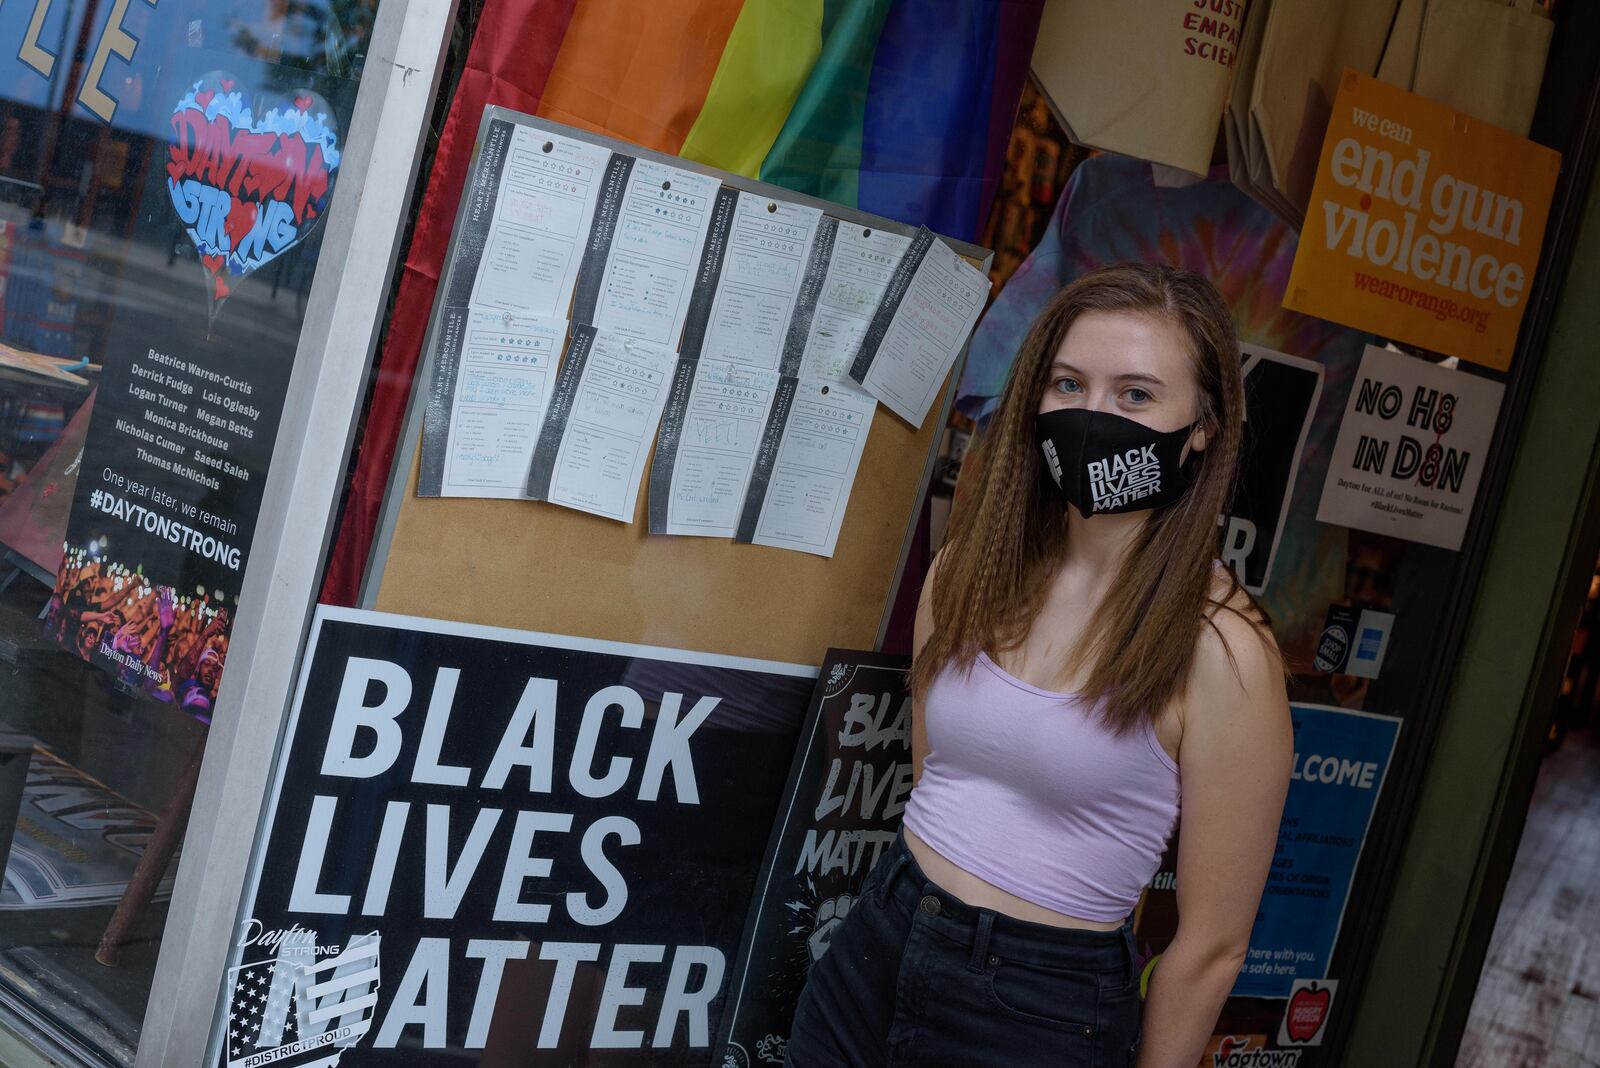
[[1281, 397], [1104, 462], [1125, 477], [553, 844]]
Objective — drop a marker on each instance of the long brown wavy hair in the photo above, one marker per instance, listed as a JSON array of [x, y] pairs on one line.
[[1008, 534]]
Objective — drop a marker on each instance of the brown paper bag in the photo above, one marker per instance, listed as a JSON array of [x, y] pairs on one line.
[[1484, 58], [1142, 78], [1305, 45], [1247, 159]]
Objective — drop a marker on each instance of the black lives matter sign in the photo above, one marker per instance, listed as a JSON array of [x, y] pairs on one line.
[[490, 845], [842, 808]]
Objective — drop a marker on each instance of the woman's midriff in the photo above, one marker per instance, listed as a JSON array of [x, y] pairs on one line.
[[963, 885]]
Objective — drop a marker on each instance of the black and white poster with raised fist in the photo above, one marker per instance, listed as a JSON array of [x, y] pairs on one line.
[[841, 809]]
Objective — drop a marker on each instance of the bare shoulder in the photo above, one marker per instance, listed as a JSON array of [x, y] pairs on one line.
[[923, 624], [1234, 712], [1237, 663], [926, 596]]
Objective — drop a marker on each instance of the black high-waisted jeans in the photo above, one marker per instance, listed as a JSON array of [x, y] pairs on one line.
[[913, 976]]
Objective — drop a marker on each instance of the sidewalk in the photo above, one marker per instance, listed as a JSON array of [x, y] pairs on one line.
[[1538, 1001]]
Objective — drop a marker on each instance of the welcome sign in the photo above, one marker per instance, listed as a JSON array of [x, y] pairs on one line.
[[1424, 224]]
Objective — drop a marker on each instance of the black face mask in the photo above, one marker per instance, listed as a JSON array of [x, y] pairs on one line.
[[1104, 464]]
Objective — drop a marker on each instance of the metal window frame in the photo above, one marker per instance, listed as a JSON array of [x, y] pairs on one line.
[[344, 315]]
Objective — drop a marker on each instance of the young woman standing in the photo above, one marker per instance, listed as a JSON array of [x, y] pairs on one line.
[[1077, 644]]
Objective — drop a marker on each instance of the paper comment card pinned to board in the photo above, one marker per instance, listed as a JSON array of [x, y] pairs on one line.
[[926, 315], [545, 194], [498, 401], [602, 419]]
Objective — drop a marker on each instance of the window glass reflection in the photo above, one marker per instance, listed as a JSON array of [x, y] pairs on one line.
[[116, 247]]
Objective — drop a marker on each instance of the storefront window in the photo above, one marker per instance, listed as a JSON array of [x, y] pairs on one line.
[[164, 170]]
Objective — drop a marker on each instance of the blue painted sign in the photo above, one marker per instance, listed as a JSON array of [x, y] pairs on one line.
[[1340, 760]]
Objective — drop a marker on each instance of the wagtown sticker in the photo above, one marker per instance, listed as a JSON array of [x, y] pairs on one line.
[[1424, 224]]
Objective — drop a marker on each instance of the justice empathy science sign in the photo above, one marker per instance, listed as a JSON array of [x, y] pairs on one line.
[[1411, 449], [1424, 224]]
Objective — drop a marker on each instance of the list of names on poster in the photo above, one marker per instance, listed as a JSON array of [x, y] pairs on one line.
[[192, 419], [602, 419], [929, 309], [797, 500], [501, 391], [543, 207]]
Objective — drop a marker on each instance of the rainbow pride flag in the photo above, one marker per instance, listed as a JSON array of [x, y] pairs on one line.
[[902, 108], [898, 107]]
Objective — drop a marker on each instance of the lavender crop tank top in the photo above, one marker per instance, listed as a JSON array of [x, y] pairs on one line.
[[1027, 790]]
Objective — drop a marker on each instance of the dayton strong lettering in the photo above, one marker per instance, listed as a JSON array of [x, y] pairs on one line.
[[1430, 412]]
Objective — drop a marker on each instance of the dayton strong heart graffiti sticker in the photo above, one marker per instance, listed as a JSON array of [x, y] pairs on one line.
[[250, 177]]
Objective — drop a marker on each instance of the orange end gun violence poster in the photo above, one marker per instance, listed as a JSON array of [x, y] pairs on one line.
[[1424, 224]]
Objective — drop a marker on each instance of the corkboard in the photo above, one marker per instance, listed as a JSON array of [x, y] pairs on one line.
[[537, 566]]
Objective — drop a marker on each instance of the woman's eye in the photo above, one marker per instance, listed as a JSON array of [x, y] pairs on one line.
[[1138, 396], [1066, 385]]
